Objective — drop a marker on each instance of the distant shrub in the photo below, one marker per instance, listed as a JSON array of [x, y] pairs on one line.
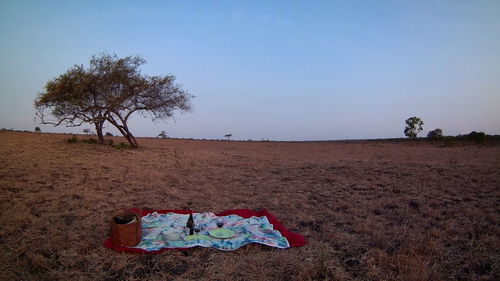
[[73, 139], [38, 130], [477, 137], [111, 142], [108, 134], [435, 134], [90, 141], [449, 141], [121, 145]]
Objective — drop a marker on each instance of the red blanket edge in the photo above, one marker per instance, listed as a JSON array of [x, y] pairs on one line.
[[294, 239]]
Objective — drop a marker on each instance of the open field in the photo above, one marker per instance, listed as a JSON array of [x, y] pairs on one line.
[[369, 210]]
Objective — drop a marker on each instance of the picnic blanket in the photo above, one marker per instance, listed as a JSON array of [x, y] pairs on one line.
[[248, 226]]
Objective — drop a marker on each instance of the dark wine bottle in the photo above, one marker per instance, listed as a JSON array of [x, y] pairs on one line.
[[190, 224]]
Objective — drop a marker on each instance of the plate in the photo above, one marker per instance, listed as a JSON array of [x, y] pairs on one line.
[[196, 237], [221, 233]]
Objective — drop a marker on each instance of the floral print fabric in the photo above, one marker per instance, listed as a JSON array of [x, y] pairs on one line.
[[250, 230]]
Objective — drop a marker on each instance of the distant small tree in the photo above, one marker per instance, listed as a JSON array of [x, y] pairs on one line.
[[228, 136], [162, 135], [413, 127], [108, 134], [37, 129], [435, 134], [86, 131]]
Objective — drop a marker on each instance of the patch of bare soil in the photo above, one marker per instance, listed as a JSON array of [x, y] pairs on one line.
[[369, 210]]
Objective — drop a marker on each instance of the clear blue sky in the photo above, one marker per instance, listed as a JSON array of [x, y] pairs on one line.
[[280, 70]]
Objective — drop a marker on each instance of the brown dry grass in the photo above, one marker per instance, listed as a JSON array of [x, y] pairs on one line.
[[369, 210]]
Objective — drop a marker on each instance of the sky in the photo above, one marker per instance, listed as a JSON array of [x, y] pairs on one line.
[[276, 70]]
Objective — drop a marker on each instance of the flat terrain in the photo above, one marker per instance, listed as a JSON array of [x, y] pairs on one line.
[[369, 210]]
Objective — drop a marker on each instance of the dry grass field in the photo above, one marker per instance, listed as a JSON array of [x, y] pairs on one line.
[[369, 210]]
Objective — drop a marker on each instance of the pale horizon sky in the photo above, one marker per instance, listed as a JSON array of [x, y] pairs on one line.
[[277, 70]]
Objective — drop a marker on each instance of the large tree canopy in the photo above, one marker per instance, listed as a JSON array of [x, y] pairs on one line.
[[111, 89], [72, 99]]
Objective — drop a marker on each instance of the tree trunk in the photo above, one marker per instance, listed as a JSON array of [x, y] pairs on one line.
[[125, 132], [98, 129], [123, 128], [130, 138]]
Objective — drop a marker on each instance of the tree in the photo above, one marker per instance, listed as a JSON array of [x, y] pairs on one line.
[[435, 134], [38, 130], [162, 135], [113, 89], [413, 127], [129, 91], [228, 136], [72, 99], [108, 134]]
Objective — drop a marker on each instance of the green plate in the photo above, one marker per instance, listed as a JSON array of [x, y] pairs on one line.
[[221, 233], [196, 237]]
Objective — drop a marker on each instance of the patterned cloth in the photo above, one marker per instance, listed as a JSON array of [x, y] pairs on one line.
[[250, 230]]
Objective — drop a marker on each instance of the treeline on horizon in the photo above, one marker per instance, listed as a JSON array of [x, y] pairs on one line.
[[460, 139], [470, 138]]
